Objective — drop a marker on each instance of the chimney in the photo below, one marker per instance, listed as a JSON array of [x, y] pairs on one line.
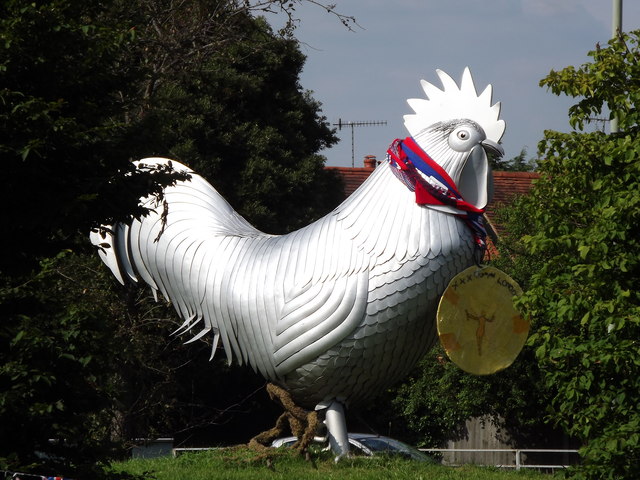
[[370, 162]]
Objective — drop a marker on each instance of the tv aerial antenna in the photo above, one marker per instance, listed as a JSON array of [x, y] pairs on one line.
[[344, 124]]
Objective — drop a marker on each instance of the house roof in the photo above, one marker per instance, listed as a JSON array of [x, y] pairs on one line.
[[353, 177], [508, 185]]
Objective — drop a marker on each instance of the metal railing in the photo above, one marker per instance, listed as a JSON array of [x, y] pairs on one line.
[[178, 451], [518, 464], [518, 460]]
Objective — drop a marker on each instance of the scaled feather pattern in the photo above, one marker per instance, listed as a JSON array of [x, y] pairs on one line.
[[337, 310]]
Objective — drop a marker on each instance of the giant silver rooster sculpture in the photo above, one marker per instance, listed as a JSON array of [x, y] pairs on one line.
[[335, 311]]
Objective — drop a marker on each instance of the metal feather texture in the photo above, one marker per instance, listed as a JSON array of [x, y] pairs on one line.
[[334, 311]]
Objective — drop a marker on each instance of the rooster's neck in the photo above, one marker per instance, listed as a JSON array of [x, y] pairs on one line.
[[383, 219]]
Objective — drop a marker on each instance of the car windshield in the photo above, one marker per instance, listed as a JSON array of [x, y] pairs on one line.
[[378, 444]]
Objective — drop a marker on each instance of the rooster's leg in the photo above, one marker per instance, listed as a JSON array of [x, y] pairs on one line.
[[302, 423], [337, 429]]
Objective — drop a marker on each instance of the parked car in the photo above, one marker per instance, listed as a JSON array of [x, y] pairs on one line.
[[368, 444]]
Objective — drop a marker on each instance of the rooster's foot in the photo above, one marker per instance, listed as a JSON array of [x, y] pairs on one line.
[[302, 423]]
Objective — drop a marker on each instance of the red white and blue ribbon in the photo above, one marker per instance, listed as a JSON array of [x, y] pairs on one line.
[[407, 158]]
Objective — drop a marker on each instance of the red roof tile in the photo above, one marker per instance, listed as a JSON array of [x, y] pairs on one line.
[[352, 177], [507, 185]]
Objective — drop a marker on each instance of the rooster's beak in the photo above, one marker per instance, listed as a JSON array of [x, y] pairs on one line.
[[476, 180], [492, 148]]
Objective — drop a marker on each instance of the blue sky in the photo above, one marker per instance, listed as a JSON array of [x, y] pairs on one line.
[[367, 74]]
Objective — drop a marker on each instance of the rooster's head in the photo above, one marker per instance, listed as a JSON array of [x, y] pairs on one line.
[[458, 129]]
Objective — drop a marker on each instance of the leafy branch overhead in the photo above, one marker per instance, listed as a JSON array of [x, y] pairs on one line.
[[609, 83]]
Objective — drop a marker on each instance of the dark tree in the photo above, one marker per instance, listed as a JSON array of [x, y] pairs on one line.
[[242, 120], [81, 96]]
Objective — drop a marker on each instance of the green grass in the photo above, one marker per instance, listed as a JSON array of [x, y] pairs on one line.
[[243, 464]]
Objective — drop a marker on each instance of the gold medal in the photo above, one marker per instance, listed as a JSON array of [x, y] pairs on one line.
[[478, 325]]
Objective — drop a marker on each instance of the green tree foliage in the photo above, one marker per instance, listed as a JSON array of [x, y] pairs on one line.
[[519, 163], [95, 365], [69, 355], [438, 398], [241, 120], [62, 150], [583, 296], [55, 383], [64, 142]]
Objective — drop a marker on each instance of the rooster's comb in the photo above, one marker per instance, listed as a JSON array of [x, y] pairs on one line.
[[455, 102]]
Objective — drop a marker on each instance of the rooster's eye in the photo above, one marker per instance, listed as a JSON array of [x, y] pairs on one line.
[[464, 138]]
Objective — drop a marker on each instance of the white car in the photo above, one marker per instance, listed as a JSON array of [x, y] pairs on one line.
[[367, 444]]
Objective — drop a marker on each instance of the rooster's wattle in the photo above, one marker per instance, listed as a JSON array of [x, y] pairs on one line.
[[335, 311]]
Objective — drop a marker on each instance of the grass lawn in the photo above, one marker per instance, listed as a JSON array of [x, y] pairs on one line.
[[243, 464]]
